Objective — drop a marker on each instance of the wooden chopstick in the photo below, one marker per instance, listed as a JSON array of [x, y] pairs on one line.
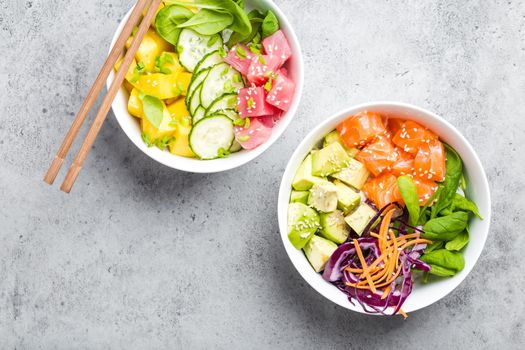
[[81, 156], [97, 86]]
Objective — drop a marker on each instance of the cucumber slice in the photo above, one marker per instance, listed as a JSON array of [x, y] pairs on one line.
[[192, 47], [208, 61], [236, 147], [200, 113], [220, 80], [211, 134], [195, 100], [231, 113], [196, 80], [226, 101]]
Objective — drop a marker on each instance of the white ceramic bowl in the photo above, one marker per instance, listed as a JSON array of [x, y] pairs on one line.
[[130, 125], [478, 190]]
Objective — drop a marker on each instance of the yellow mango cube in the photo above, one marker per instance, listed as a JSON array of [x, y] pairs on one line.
[[165, 129], [169, 63], [150, 48], [184, 79], [131, 76], [135, 104], [180, 145], [162, 86]]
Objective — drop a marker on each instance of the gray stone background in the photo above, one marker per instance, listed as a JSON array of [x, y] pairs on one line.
[[141, 256]]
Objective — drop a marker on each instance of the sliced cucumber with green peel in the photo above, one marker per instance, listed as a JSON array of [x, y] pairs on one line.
[[236, 147], [226, 101], [231, 113], [192, 47], [195, 100], [200, 113], [210, 60], [196, 80], [210, 135], [221, 79]]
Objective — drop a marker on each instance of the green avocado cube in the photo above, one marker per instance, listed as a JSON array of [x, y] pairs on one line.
[[303, 222], [347, 198], [299, 197], [318, 251], [303, 179], [360, 217], [355, 174], [323, 197], [334, 226], [329, 160], [332, 137]]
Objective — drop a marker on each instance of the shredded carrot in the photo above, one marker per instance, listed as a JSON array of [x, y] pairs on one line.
[[386, 268], [363, 264], [402, 313]]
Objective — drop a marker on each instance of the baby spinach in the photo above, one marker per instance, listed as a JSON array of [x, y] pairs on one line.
[[208, 22], [444, 262], [256, 19], [408, 191], [458, 242], [454, 171], [423, 216], [461, 203], [270, 24], [433, 246], [168, 19], [153, 110], [240, 21], [445, 228]]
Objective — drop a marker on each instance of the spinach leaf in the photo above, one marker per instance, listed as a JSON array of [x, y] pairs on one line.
[[208, 22], [256, 19], [444, 262], [463, 182], [270, 24], [422, 217], [433, 246], [458, 242], [445, 228], [168, 19], [241, 23], [461, 203], [454, 171], [153, 110], [408, 191]]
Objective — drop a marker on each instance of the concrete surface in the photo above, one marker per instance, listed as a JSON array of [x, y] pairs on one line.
[[140, 256]]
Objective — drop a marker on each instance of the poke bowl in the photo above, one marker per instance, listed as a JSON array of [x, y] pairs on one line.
[[211, 89], [384, 208]]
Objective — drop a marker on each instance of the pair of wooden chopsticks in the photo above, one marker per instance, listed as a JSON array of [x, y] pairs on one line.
[[114, 55]]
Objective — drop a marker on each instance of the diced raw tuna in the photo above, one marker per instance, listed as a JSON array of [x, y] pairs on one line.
[[255, 135], [251, 102], [277, 45], [281, 93], [237, 61], [261, 68]]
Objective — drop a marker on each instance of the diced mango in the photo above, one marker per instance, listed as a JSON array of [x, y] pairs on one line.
[[150, 48], [184, 79], [164, 130], [130, 75], [135, 104], [181, 145], [171, 65], [128, 86], [162, 86]]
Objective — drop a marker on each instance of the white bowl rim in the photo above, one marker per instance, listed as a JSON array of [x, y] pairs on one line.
[[325, 288], [237, 159]]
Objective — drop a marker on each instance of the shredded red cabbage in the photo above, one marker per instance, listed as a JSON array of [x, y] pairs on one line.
[[345, 256]]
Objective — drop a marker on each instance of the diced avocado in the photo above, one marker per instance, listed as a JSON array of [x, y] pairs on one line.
[[360, 217], [303, 179], [347, 198], [355, 174], [303, 221], [318, 251], [329, 160], [323, 197], [334, 226], [334, 137], [299, 196]]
